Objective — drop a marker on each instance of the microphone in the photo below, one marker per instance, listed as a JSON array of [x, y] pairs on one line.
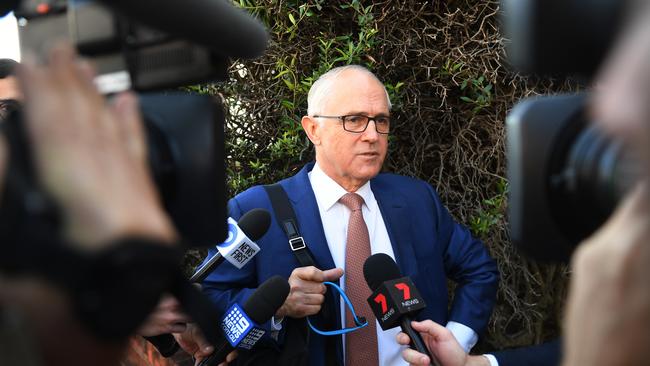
[[239, 247], [241, 324], [6, 6], [395, 299], [215, 24]]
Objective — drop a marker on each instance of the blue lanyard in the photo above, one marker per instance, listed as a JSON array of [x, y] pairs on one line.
[[359, 321]]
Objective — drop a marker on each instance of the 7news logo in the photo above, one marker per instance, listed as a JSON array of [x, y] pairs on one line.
[[394, 298], [406, 297]]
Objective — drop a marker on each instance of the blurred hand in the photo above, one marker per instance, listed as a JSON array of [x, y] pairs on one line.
[[608, 310], [193, 342], [90, 156], [230, 358], [166, 318], [307, 291]]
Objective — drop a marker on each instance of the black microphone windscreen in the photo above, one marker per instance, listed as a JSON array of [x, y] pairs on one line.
[[216, 24], [267, 299], [380, 268], [255, 223], [7, 6]]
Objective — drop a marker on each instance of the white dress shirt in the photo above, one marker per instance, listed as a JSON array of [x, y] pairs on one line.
[[335, 216]]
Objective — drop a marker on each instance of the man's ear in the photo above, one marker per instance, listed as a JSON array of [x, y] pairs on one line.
[[312, 128]]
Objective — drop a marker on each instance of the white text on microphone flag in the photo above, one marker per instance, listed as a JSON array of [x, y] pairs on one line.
[[238, 249], [239, 329]]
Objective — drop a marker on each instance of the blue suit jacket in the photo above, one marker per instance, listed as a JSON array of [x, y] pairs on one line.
[[545, 354], [429, 247]]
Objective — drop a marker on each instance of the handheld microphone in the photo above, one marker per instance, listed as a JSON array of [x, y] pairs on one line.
[[239, 247], [241, 324], [395, 299]]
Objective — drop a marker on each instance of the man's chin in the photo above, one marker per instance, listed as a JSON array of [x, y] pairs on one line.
[[367, 173]]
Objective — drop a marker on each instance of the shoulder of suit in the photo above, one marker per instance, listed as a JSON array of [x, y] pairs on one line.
[[257, 192], [402, 180]]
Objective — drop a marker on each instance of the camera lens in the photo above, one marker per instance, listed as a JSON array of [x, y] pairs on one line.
[[566, 177], [596, 173]]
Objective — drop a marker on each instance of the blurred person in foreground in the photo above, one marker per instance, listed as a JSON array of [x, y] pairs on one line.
[[608, 311], [90, 157]]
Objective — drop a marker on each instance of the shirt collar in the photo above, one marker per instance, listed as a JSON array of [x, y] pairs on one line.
[[328, 192]]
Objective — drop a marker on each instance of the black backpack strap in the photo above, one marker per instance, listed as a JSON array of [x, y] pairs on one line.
[[287, 218], [297, 330]]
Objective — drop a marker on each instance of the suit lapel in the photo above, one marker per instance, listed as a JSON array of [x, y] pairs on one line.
[[302, 197], [396, 217]]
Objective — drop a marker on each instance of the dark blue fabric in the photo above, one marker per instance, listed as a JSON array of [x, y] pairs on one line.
[[429, 247], [545, 354]]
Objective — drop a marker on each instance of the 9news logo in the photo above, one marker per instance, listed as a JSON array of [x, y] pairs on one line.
[[236, 325]]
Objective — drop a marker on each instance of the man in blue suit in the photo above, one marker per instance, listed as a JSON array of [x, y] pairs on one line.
[[402, 217]]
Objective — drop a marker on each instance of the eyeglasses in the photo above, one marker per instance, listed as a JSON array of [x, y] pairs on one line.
[[358, 124]]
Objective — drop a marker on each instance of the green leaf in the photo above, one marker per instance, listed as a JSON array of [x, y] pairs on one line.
[[289, 84], [287, 104]]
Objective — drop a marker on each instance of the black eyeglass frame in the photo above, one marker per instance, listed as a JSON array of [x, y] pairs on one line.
[[374, 119]]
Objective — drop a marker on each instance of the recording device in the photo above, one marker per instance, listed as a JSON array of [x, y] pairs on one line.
[[241, 324], [561, 37], [239, 246], [566, 177], [145, 45], [394, 300]]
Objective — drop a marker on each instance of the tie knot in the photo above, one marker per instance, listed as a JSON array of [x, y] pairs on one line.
[[352, 201]]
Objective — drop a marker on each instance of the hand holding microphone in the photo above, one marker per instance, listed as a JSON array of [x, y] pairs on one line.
[[238, 249], [395, 300], [441, 342]]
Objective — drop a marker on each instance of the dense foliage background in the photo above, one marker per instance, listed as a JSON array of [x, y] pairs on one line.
[[444, 65]]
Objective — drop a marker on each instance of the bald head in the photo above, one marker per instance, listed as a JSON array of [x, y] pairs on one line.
[[324, 86]]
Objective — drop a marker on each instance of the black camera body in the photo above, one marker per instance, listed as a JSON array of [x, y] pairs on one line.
[[147, 46], [126, 53], [566, 177]]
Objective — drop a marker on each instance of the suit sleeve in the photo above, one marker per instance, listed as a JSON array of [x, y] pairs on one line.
[[545, 354], [468, 263]]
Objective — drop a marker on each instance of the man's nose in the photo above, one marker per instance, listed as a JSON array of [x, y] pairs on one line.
[[370, 133]]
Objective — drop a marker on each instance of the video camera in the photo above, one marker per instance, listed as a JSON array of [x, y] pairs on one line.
[[145, 45], [566, 177]]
